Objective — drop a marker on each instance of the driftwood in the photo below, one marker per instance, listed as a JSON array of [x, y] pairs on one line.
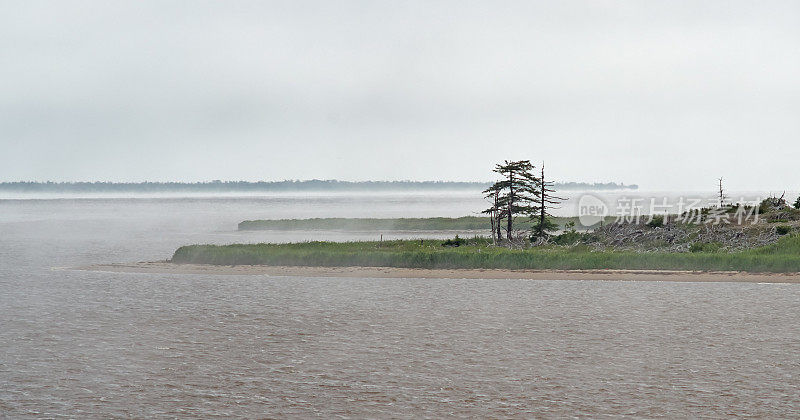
[[679, 237]]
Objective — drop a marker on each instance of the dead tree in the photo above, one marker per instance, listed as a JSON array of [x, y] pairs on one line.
[[545, 200], [494, 212]]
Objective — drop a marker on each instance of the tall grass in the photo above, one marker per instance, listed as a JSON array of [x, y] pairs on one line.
[[783, 256]]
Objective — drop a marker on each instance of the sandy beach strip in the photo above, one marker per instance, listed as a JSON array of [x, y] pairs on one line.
[[165, 267]]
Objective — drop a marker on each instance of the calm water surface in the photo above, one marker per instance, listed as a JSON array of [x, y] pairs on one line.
[[90, 344]]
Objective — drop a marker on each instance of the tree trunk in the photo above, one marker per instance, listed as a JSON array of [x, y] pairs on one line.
[[510, 203], [497, 217], [491, 220], [542, 211]]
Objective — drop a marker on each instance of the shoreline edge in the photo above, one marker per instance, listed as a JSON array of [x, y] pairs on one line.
[[166, 267]]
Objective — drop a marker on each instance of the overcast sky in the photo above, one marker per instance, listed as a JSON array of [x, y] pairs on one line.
[[666, 94]]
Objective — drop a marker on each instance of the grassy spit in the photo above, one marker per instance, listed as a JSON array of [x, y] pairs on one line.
[[465, 223], [476, 253]]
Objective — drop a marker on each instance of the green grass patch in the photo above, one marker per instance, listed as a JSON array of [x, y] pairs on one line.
[[783, 256]]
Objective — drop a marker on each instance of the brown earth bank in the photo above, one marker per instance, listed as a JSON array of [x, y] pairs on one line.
[[165, 267]]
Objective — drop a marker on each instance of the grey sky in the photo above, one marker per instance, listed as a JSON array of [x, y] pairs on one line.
[[667, 94]]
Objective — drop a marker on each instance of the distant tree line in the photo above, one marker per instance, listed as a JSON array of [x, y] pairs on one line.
[[594, 186], [277, 186]]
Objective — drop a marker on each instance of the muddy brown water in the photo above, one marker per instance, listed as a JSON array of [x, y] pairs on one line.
[[95, 344]]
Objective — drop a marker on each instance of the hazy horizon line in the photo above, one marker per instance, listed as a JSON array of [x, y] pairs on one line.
[[295, 180]]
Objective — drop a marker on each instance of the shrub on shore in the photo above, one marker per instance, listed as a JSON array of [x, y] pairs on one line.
[[656, 222], [455, 242]]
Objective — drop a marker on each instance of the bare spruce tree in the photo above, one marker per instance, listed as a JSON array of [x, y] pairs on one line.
[[722, 196], [495, 216], [515, 194], [542, 224]]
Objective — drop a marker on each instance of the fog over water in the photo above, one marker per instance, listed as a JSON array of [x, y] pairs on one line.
[[95, 344]]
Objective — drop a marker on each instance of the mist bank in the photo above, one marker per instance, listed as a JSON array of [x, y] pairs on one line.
[[313, 185], [479, 253], [460, 224]]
